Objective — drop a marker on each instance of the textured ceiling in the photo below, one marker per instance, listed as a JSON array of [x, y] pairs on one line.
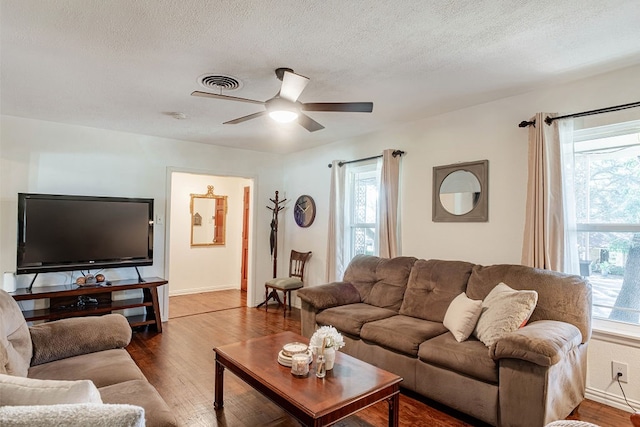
[[124, 64]]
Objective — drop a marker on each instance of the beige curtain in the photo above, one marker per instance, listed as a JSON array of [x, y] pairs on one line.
[[388, 224], [335, 241], [545, 239]]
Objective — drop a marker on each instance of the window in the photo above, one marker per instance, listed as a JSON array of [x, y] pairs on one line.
[[607, 197], [362, 185]]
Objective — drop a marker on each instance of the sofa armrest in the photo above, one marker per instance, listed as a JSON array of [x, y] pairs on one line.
[[544, 343], [330, 295], [80, 335], [73, 415]]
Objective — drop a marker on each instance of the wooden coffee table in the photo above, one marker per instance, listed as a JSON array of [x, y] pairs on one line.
[[350, 386]]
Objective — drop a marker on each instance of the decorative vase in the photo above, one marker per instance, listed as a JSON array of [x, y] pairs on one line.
[[330, 357]]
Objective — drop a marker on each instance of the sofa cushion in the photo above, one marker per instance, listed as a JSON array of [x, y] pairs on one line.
[[16, 390], [504, 310], [140, 393], [432, 285], [350, 318], [330, 295], [71, 337], [462, 316], [15, 342], [561, 296], [103, 368], [403, 334], [380, 281], [469, 357]]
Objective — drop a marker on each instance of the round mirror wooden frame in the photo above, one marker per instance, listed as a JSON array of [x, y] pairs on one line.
[[477, 208]]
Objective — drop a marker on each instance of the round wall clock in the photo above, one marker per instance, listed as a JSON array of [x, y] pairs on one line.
[[304, 212]]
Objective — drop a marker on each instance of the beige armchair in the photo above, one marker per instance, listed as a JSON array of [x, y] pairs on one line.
[[42, 366]]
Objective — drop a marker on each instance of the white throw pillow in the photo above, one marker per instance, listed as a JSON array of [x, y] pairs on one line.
[[504, 310], [461, 316], [17, 391]]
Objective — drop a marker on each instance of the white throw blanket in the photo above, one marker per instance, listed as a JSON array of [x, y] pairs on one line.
[[72, 415]]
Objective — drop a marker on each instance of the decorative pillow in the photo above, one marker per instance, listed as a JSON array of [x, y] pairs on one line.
[[17, 391], [461, 316], [504, 310]]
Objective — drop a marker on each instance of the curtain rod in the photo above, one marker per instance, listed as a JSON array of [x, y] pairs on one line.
[[548, 120], [395, 153]]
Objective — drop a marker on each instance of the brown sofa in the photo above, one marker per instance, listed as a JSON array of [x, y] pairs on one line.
[[83, 348], [391, 313]]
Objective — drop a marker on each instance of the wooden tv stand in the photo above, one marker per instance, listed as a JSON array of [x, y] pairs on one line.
[[63, 301]]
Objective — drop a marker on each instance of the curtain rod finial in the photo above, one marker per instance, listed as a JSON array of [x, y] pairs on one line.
[[525, 123]]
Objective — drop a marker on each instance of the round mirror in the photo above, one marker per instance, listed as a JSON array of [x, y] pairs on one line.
[[459, 192]]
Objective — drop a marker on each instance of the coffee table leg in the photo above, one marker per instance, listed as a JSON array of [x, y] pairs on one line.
[[218, 392], [394, 410]]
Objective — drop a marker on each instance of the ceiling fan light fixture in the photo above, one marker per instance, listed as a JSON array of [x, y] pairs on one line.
[[282, 111], [283, 116]]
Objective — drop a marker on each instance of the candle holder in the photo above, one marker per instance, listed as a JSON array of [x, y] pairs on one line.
[[300, 365]]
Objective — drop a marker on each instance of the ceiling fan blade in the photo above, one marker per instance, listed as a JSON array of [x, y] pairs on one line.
[[225, 97], [245, 118], [349, 107], [292, 86], [308, 123]]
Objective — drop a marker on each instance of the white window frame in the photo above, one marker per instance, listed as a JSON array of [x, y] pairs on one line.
[[621, 332], [372, 167]]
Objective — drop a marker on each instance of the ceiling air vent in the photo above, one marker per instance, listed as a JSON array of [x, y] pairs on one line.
[[218, 82]]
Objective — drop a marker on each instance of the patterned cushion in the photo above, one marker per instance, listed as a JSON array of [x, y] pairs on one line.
[[504, 310]]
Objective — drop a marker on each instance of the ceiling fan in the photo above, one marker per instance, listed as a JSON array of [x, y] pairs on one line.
[[284, 106]]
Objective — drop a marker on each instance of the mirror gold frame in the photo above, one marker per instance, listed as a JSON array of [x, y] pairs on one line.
[[477, 202], [208, 218]]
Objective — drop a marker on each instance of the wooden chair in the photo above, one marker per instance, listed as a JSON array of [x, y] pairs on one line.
[[285, 285]]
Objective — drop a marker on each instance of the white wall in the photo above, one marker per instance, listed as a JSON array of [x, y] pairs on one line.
[[487, 131], [45, 157], [204, 268]]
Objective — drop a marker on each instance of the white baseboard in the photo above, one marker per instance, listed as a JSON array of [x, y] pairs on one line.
[[201, 290], [610, 399]]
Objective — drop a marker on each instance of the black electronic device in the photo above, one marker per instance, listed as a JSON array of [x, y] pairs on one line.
[[65, 232]]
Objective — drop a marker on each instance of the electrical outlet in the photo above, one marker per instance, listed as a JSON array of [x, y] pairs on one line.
[[619, 368]]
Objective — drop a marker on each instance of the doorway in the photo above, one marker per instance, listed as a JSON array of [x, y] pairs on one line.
[[205, 269]]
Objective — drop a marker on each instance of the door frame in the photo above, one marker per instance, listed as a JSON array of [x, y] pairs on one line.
[[167, 232], [244, 256]]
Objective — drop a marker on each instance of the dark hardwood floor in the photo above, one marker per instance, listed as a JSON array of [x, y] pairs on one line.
[[180, 363]]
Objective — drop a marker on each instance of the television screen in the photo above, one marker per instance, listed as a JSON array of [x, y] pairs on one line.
[[61, 233]]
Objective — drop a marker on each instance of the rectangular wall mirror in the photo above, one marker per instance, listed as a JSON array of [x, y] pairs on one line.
[[208, 218], [461, 192]]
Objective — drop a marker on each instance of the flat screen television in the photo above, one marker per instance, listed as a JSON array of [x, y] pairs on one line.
[[64, 232]]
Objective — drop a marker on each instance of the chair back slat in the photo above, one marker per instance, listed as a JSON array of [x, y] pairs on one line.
[[297, 263]]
